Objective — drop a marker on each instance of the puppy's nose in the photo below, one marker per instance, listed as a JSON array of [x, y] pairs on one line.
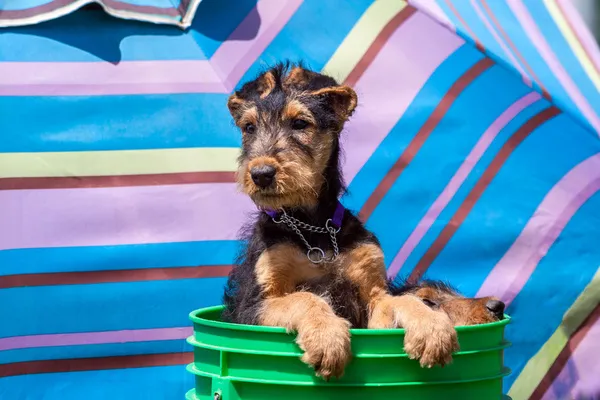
[[263, 175], [496, 307]]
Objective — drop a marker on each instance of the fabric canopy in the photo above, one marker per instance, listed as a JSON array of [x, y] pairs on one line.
[[473, 155], [174, 12]]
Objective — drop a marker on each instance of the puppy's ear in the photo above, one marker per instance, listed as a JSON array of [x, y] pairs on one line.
[[236, 106], [265, 84], [298, 78], [342, 99]]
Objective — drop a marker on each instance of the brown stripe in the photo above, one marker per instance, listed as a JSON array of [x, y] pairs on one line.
[[465, 208], [124, 275], [115, 5], [183, 7], [116, 180], [514, 49], [381, 39], [95, 364], [478, 44], [565, 354], [415, 145]]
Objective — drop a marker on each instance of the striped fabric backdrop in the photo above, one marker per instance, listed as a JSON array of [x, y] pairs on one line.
[[474, 155]]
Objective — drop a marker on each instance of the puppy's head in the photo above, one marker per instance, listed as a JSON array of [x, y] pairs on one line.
[[290, 119], [460, 309]]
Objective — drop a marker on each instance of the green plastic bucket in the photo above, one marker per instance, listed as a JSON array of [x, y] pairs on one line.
[[254, 362]]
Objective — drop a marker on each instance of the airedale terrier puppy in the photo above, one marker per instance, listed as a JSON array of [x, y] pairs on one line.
[[291, 119]]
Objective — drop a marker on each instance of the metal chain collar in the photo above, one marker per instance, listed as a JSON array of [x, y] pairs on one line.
[[315, 255]]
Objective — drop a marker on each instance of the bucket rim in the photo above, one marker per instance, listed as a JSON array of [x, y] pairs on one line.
[[196, 317]]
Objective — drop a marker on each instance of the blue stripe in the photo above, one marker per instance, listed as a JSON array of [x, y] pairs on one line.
[[391, 148], [116, 122], [513, 28], [164, 383], [559, 278], [105, 307], [92, 36], [93, 350], [454, 137], [504, 208], [135, 256], [563, 52], [315, 31]]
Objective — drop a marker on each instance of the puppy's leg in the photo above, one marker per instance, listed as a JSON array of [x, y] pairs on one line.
[[430, 336], [324, 337]]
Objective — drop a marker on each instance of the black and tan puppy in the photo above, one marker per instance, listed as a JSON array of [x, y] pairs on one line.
[[291, 119], [344, 298]]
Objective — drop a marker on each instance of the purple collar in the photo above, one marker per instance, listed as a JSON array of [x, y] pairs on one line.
[[336, 220]]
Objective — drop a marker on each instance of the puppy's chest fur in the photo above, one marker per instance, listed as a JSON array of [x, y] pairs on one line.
[[288, 269], [296, 265]]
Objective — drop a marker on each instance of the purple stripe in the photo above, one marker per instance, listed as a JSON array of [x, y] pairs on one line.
[[111, 89], [183, 7], [458, 179], [115, 5], [126, 72], [103, 78], [233, 58], [431, 8], [579, 377], [383, 101], [511, 273], [218, 75], [124, 215], [585, 358], [545, 50], [86, 338]]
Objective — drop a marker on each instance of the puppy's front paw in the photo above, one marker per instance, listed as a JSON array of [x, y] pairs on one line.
[[380, 319], [326, 347], [431, 340]]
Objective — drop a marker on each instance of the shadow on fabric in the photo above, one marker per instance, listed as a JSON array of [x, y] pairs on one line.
[[91, 30]]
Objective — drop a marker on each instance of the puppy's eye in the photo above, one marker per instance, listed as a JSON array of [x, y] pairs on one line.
[[429, 303], [249, 128], [299, 124]]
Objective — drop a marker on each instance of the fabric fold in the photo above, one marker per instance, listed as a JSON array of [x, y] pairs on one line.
[[171, 12]]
